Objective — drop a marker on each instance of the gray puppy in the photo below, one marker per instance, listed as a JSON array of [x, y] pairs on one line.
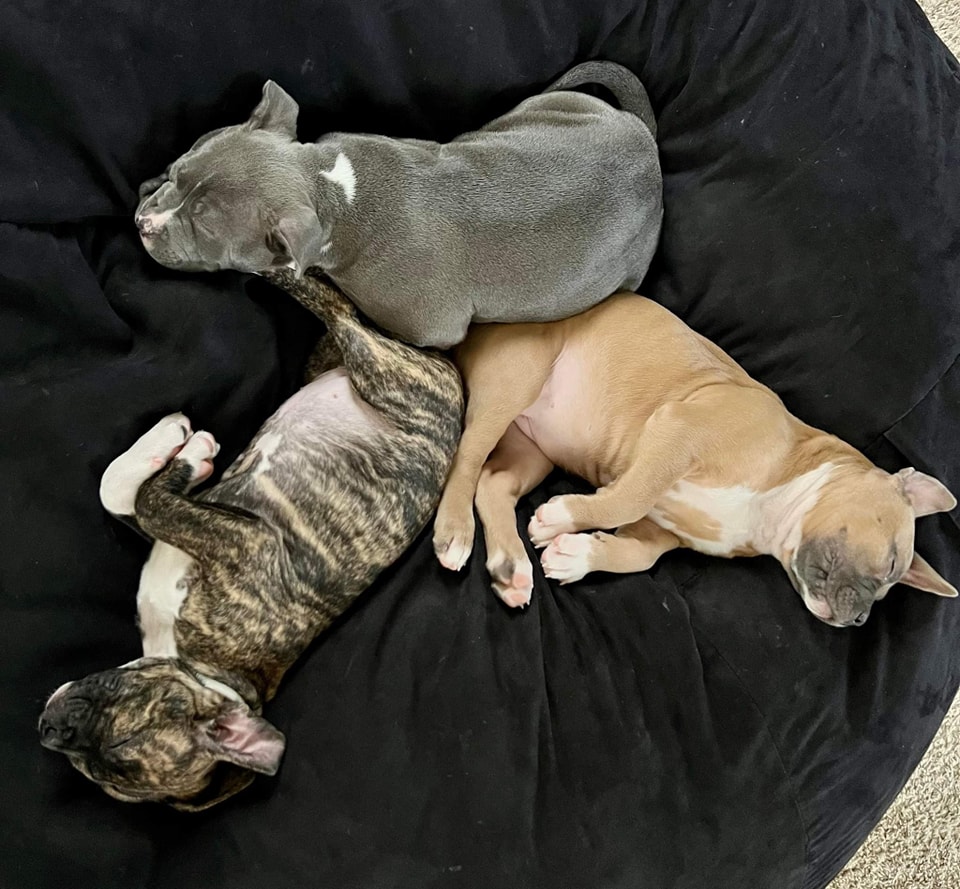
[[535, 217], [332, 490]]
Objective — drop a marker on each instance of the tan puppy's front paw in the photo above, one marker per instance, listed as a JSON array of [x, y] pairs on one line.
[[568, 557], [550, 519], [512, 579], [452, 544]]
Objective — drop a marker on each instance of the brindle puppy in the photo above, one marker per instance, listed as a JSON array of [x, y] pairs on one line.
[[242, 577]]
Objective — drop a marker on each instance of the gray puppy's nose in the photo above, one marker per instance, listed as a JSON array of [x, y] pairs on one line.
[[145, 226], [860, 619]]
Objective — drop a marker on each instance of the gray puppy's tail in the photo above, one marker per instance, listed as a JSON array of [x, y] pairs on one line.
[[623, 83]]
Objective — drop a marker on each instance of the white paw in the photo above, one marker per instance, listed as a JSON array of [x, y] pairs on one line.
[[567, 558], [199, 452], [512, 579], [550, 519], [454, 556], [148, 455]]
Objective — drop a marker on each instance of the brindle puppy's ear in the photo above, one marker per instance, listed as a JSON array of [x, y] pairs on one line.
[[277, 112], [227, 780], [240, 737]]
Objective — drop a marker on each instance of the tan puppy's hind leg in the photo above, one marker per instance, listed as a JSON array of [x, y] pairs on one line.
[[634, 547], [515, 468], [504, 368]]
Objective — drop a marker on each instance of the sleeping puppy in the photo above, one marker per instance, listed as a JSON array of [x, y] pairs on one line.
[[684, 448], [526, 219], [242, 577]]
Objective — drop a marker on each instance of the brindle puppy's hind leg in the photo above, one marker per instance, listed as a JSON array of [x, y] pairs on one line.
[[325, 356], [202, 530], [420, 392]]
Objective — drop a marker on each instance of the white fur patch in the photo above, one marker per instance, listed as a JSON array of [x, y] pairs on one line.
[[767, 521], [343, 175], [163, 588], [267, 446], [122, 478]]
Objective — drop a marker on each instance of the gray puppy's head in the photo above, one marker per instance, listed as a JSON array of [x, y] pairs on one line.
[[151, 731], [238, 199]]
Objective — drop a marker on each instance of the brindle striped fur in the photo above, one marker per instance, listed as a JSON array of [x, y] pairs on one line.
[[277, 556]]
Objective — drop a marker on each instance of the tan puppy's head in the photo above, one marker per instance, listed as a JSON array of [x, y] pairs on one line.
[[150, 731], [857, 542]]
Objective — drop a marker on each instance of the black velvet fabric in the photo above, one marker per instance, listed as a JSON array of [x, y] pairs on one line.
[[692, 727]]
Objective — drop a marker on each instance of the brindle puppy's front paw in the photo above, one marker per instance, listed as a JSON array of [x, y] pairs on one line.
[[512, 578], [198, 453], [453, 542], [551, 519], [150, 453], [567, 558]]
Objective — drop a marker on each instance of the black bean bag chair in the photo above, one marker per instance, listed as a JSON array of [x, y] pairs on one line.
[[693, 727]]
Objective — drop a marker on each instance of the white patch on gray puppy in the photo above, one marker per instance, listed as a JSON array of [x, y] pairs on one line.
[[343, 175]]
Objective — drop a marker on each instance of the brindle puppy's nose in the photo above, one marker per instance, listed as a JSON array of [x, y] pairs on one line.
[[60, 725], [56, 735]]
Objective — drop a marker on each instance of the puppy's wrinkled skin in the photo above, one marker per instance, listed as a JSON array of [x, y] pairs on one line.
[[530, 218], [243, 576], [684, 448]]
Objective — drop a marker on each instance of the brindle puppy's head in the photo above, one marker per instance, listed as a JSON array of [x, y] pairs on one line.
[[238, 199], [857, 542], [152, 732]]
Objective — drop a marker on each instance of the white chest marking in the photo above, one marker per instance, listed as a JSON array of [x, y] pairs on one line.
[[342, 173], [267, 446], [731, 511], [740, 517], [163, 589]]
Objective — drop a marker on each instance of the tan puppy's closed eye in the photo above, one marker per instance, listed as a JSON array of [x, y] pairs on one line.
[[684, 448]]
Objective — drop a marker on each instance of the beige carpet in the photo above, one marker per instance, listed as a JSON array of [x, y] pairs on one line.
[[917, 844]]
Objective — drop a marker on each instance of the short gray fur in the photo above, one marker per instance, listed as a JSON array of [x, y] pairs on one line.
[[537, 216]]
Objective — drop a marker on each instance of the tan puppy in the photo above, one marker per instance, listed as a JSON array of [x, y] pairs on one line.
[[684, 448]]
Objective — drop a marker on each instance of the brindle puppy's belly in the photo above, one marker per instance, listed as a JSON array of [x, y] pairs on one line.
[[294, 450]]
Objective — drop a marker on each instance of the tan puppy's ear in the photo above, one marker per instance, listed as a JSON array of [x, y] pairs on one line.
[[925, 493], [922, 577]]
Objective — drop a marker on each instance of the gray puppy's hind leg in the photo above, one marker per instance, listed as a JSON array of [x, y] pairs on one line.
[[418, 391]]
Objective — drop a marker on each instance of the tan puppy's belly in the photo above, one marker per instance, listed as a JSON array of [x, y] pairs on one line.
[[566, 423]]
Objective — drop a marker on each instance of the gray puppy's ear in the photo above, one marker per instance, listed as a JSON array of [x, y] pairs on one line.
[[239, 736], [296, 241], [277, 112]]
